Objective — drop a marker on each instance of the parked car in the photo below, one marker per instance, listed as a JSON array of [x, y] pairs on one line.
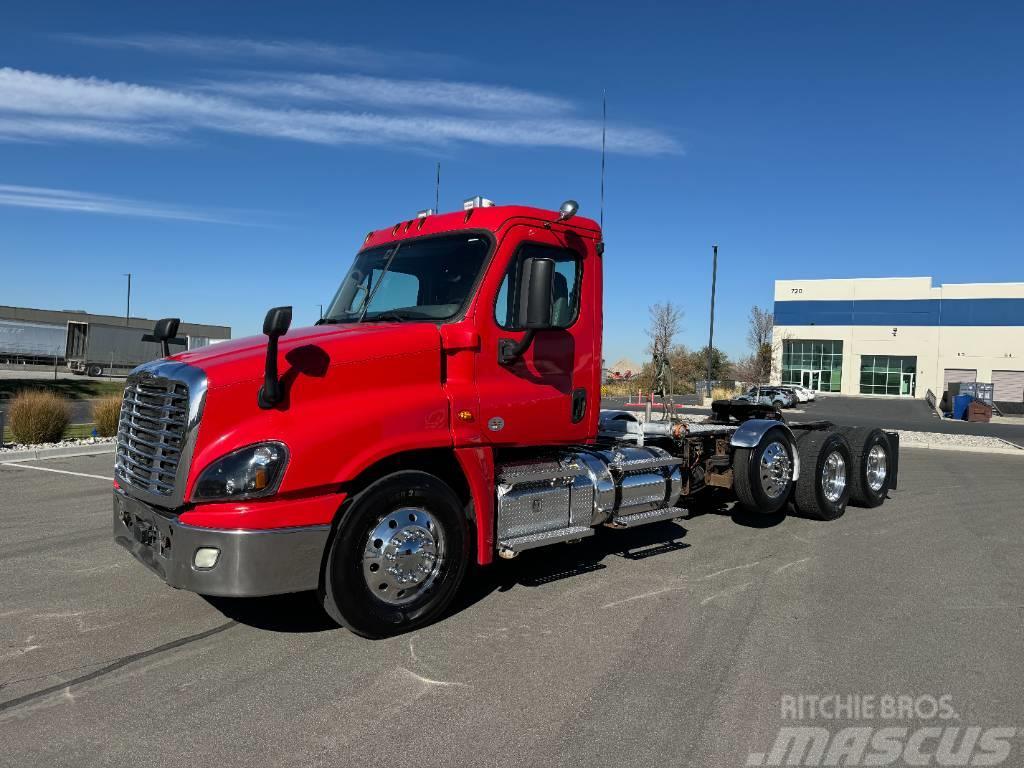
[[808, 392], [769, 396], [795, 392], [802, 394]]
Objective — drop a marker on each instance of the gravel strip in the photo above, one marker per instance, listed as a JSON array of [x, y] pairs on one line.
[[909, 438], [83, 442]]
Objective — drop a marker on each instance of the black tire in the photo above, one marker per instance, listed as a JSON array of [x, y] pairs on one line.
[[747, 470], [809, 497], [95, 370], [345, 592], [862, 441]]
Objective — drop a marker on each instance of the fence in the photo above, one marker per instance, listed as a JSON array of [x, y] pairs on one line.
[[32, 364]]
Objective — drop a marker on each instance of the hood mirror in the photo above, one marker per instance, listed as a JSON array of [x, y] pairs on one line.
[[276, 324], [165, 333]]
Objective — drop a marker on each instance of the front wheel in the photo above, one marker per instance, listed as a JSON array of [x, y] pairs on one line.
[[397, 557], [95, 370]]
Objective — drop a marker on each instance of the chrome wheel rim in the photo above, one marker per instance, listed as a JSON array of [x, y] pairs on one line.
[[878, 467], [833, 477], [403, 555], [776, 470]]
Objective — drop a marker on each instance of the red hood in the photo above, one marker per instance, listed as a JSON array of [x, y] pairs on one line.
[[243, 359]]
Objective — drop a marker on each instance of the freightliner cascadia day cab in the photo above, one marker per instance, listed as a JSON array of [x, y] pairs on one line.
[[444, 412]]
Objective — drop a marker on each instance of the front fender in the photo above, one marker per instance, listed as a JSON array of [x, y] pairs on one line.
[[750, 434]]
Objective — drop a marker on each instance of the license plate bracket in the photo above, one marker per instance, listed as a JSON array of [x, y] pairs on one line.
[[145, 532]]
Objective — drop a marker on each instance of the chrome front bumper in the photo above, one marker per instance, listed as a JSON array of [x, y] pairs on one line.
[[250, 564]]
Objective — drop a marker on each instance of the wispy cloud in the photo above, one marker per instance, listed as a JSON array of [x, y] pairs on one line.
[[395, 94], [106, 110], [292, 51], [87, 202], [46, 129]]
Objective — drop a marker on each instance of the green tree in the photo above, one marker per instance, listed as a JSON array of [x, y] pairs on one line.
[[720, 364], [760, 325]]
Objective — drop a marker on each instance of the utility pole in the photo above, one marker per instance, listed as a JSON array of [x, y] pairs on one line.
[[711, 334], [128, 306]]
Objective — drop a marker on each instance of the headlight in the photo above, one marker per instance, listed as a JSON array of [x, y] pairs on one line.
[[255, 470]]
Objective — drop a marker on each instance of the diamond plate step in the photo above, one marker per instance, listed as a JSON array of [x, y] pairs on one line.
[[512, 547], [643, 518]]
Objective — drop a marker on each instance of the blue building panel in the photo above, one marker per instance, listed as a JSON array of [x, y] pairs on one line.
[[902, 312], [982, 312]]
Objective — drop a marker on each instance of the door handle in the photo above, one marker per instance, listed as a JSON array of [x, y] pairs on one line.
[[579, 405]]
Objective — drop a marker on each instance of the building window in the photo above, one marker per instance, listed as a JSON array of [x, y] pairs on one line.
[[888, 375], [814, 363]]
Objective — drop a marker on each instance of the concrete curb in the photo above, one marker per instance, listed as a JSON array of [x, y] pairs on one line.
[[961, 448], [38, 454]]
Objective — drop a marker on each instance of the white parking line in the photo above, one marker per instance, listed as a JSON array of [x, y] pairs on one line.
[[58, 471]]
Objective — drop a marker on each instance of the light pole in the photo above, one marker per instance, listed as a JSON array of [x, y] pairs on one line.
[[128, 306], [711, 334]]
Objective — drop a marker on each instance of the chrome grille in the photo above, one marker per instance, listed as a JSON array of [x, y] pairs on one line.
[[151, 433]]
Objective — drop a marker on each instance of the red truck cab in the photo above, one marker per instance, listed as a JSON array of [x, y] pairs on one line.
[[418, 367]]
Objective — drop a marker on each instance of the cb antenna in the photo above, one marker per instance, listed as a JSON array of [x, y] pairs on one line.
[[604, 126], [437, 190]]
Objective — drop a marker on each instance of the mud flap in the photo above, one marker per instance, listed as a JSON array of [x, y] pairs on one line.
[[894, 458]]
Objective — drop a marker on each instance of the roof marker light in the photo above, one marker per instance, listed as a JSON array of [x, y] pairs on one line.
[[476, 202]]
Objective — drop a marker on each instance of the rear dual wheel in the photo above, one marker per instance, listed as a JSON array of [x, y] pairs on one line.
[[871, 475], [826, 463]]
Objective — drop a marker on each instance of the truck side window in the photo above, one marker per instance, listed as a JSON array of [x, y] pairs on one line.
[[565, 298]]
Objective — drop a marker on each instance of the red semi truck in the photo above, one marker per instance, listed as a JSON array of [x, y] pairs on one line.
[[445, 411]]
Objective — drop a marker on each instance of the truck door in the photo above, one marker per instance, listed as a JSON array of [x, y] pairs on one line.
[[551, 394]]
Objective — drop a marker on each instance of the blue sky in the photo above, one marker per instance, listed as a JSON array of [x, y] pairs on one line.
[[233, 159]]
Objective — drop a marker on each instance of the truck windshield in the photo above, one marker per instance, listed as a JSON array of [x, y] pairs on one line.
[[427, 279]]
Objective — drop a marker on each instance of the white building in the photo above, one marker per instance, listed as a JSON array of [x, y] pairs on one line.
[[899, 336]]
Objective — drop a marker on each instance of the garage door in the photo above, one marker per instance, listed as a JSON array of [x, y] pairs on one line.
[[958, 374], [1008, 386]]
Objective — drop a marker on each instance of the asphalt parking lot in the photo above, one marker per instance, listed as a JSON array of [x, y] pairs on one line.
[[671, 645]]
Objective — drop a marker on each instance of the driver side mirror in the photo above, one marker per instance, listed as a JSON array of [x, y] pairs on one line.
[[538, 276], [534, 308]]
